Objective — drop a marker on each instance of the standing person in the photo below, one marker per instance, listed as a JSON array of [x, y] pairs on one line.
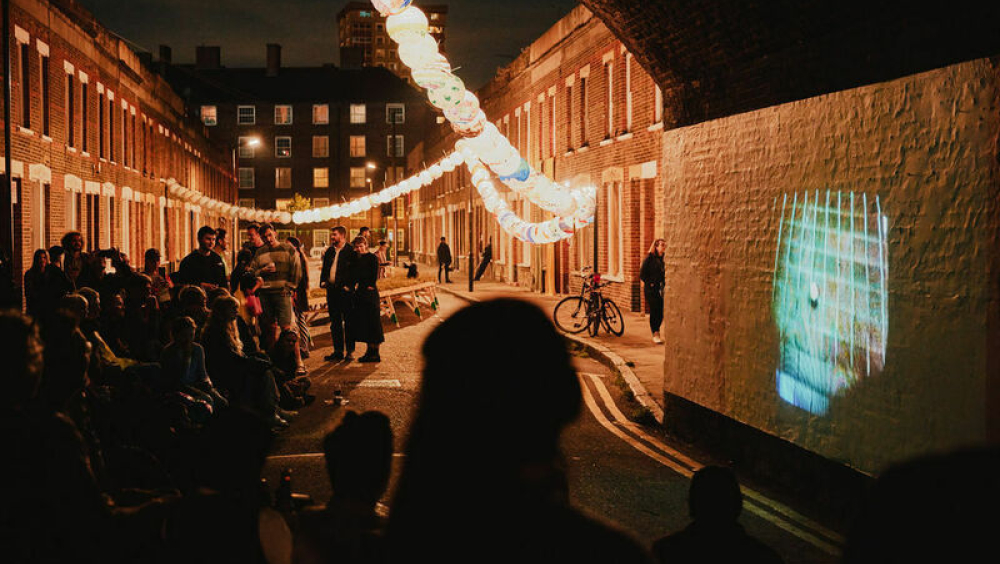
[[255, 239], [366, 325], [335, 276], [221, 247], [367, 234], [301, 302], [161, 284], [83, 269], [57, 284], [653, 274], [444, 261], [34, 284], [383, 259], [203, 267], [487, 258], [277, 265]]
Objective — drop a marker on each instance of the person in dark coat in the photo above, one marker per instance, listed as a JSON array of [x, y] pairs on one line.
[[335, 276], [34, 284], [444, 261], [485, 262], [57, 284], [300, 302], [366, 317], [84, 269], [203, 267], [653, 274]]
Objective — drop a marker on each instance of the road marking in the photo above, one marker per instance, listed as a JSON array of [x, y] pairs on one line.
[[379, 384], [779, 515], [315, 455]]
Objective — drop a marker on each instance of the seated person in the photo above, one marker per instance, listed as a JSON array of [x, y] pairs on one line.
[[282, 354], [183, 364]]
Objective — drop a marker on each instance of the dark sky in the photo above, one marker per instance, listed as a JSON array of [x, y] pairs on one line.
[[482, 34]]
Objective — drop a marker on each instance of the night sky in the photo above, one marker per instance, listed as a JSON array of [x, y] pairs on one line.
[[482, 34]]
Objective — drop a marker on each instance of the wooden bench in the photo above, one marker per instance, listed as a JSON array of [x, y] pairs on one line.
[[413, 296]]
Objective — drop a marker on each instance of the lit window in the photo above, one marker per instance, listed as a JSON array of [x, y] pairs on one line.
[[357, 145], [321, 178], [365, 14], [358, 177], [394, 149], [321, 146], [246, 203], [209, 115], [321, 202], [283, 147], [358, 113], [246, 115], [246, 178], [246, 149], [435, 17], [282, 115], [395, 110], [321, 114], [283, 178], [281, 204]]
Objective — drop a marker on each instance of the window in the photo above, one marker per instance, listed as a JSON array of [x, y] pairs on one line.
[[111, 127], [246, 203], [358, 113], [583, 112], [246, 115], [614, 233], [282, 115], [281, 204], [125, 145], [658, 106], [45, 95], [609, 102], [321, 237], [365, 14], [246, 149], [357, 145], [394, 145], [321, 114], [70, 111], [397, 111], [358, 177], [552, 124], [209, 115], [84, 125], [321, 146], [569, 118], [321, 178], [283, 147], [321, 202], [283, 178], [246, 178], [628, 92], [25, 86], [100, 122]]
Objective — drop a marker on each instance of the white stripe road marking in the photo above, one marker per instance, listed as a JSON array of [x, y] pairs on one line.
[[315, 455], [686, 467]]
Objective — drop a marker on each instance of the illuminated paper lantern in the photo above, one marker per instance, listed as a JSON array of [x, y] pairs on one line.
[[391, 7], [419, 53], [407, 26]]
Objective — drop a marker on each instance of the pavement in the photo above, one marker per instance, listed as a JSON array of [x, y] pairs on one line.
[[633, 356]]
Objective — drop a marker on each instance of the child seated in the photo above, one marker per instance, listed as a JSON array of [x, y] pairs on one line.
[[183, 362]]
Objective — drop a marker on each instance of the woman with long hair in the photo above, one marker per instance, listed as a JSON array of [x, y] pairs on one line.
[[653, 274], [367, 311], [301, 302], [34, 284]]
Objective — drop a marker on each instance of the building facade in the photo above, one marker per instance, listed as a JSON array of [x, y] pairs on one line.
[[323, 134], [365, 43], [577, 107], [96, 134]]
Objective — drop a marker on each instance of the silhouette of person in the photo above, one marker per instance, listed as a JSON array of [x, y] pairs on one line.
[[714, 535], [484, 477], [358, 461]]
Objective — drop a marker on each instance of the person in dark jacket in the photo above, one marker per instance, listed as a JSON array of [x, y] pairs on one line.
[[444, 261], [653, 274], [84, 269], [203, 267], [366, 316], [335, 276], [485, 262], [34, 284], [57, 284], [300, 302]]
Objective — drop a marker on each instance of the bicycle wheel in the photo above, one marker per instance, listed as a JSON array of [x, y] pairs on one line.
[[611, 318], [570, 315], [594, 317]]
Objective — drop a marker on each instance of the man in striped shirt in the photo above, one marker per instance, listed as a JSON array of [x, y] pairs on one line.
[[278, 266]]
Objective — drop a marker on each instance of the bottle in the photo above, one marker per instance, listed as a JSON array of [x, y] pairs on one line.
[[283, 497]]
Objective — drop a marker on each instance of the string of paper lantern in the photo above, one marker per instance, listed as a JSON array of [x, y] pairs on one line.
[[408, 26]]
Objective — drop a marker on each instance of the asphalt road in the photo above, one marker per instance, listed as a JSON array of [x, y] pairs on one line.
[[619, 472]]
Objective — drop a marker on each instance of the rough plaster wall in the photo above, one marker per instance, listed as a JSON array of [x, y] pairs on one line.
[[927, 145]]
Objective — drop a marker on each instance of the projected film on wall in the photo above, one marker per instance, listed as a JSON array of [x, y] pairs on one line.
[[829, 295]]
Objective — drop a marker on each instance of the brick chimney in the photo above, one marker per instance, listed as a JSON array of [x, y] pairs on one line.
[[208, 57], [273, 59], [165, 54]]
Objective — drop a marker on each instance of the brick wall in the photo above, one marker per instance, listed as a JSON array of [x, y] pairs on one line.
[[160, 143], [926, 145]]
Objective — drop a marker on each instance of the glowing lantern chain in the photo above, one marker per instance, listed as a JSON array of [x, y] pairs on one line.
[[408, 26], [250, 214]]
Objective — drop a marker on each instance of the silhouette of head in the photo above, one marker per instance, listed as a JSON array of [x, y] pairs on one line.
[[75, 304], [21, 350], [67, 356], [359, 457], [715, 496], [93, 302]]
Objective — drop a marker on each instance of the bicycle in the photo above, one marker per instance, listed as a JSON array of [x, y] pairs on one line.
[[590, 310]]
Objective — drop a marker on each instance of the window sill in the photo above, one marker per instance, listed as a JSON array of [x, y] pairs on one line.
[[103, 160], [583, 149], [569, 153], [25, 130], [607, 142], [84, 153], [114, 163], [619, 279], [71, 149], [655, 126], [625, 136], [46, 138]]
